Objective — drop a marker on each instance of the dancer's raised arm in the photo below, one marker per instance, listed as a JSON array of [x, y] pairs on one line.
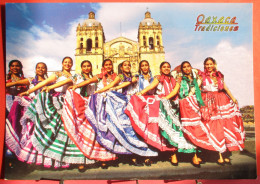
[[49, 80], [17, 83], [174, 92], [56, 85], [84, 83], [153, 85], [110, 85]]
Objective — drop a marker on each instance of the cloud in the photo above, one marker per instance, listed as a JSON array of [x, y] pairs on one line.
[[236, 63], [23, 8], [40, 45]]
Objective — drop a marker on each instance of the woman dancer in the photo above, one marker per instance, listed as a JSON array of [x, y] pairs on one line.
[[117, 122], [188, 90], [75, 122], [144, 110], [221, 113], [18, 131], [50, 137], [15, 74], [144, 79]]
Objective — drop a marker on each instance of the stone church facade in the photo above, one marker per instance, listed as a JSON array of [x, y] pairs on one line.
[[91, 45]]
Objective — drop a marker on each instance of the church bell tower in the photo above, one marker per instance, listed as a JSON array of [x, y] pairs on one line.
[[90, 43], [150, 43]]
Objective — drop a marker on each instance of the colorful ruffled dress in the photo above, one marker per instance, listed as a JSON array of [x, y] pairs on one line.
[[190, 103], [143, 112], [113, 127], [171, 110], [77, 126], [221, 117], [50, 137], [19, 130], [169, 122]]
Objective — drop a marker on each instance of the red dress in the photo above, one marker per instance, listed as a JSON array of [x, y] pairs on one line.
[[80, 130], [143, 112], [218, 125]]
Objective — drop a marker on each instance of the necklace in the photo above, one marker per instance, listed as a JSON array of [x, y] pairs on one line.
[[67, 74], [15, 78]]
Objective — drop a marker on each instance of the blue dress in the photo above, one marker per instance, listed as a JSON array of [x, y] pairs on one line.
[[113, 127]]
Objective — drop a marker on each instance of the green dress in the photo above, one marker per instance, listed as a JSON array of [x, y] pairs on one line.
[[170, 126]]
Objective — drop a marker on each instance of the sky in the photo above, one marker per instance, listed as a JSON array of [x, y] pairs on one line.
[[46, 32]]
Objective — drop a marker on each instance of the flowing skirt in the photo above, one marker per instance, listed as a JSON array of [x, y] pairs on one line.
[[80, 130], [171, 128], [217, 126], [143, 112], [193, 128], [18, 135], [106, 113], [9, 102], [50, 137]]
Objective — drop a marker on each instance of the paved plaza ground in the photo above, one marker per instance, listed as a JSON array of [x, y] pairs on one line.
[[243, 167]]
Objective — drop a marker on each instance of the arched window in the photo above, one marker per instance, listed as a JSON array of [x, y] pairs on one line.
[[144, 40], [158, 40], [96, 42], [151, 45], [89, 44], [81, 45]]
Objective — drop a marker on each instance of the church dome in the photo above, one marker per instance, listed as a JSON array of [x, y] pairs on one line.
[[91, 21], [148, 20]]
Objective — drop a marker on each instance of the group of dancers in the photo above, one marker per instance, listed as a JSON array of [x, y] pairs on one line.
[[64, 119]]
